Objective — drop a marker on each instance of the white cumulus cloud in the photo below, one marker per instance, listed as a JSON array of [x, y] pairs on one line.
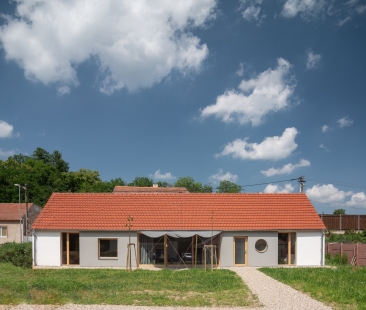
[[286, 169], [345, 122], [357, 200], [271, 91], [306, 8], [327, 193], [274, 148], [6, 153], [6, 130], [134, 43], [221, 176], [322, 146], [162, 176], [312, 60], [325, 128], [274, 188]]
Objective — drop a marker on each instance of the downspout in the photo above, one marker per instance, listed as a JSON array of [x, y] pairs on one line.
[[34, 248], [322, 249]]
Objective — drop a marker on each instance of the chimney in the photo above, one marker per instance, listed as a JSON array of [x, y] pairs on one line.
[[155, 185]]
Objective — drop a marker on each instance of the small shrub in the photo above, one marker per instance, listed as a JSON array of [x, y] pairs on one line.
[[328, 259], [336, 259], [19, 254], [344, 259]]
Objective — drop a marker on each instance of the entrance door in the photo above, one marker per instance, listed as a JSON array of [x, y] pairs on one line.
[[70, 249], [286, 248], [240, 251]]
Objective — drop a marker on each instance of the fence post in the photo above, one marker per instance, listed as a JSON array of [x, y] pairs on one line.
[[340, 221], [356, 254], [341, 248], [358, 217]]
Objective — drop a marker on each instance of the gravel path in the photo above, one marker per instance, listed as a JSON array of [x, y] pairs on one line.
[[272, 294]]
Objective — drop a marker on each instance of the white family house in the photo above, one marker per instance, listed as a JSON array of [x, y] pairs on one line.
[[171, 228]]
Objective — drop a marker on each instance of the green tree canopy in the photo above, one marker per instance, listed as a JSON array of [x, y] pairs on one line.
[[228, 187], [339, 211], [192, 186], [141, 182], [45, 173]]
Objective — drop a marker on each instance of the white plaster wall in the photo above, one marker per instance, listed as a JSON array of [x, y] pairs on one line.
[[255, 259], [309, 248], [89, 248], [46, 248]]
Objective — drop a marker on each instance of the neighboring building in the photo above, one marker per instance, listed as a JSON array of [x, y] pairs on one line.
[[12, 220], [89, 229]]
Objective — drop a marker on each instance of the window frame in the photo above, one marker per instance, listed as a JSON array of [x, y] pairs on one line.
[[265, 249], [107, 258], [1, 232]]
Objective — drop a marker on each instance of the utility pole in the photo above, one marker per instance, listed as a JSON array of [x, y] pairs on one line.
[[25, 187], [20, 216], [302, 183]]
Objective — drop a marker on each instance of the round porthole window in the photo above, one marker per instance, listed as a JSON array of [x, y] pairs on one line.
[[261, 245]]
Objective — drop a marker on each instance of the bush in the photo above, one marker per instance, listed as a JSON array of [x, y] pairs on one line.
[[336, 259], [19, 254]]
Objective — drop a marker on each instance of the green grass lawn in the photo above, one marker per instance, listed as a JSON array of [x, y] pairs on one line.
[[109, 286], [343, 287]]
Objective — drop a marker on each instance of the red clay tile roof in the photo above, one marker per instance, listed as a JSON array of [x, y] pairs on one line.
[[10, 211], [136, 189], [70, 211]]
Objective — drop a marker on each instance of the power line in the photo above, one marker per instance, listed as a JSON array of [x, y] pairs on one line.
[[337, 205], [338, 183], [242, 186]]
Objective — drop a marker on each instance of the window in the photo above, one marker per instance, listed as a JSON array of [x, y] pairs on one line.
[[108, 248], [261, 245], [3, 231]]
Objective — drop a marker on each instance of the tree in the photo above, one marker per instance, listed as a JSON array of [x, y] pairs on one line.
[[164, 184], [54, 159], [228, 187], [192, 186], [141, 182], [339, 211], [45, 173]]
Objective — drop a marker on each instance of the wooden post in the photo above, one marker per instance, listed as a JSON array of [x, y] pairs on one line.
[[341, 248], [289, 248], [192, 252], [195, 253], [67, 249], [165, 250], [204, 256], [356, 254]]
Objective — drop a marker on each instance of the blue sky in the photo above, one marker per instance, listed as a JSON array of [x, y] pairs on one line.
[[253, 91]]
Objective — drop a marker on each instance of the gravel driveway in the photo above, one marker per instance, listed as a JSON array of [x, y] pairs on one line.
[[271, 293]]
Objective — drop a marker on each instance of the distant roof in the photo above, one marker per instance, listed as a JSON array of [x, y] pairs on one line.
[[11, 212], [137, 189], [156, 211]]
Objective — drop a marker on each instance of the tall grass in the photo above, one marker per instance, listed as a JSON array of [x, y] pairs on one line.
[[108, 286], [342, 287], [19, 254]]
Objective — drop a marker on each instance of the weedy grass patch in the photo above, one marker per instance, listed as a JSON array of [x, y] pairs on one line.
[[193, 287], [342, 287]]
